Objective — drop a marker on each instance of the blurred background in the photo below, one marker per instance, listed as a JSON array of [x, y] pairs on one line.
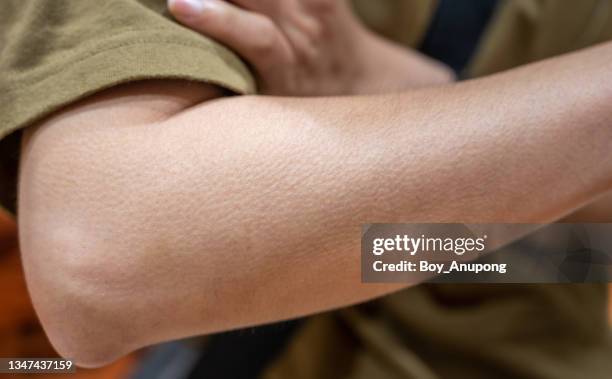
[[21, 336]]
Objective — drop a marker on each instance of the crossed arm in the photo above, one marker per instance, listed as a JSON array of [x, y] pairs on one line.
[[152, 212]]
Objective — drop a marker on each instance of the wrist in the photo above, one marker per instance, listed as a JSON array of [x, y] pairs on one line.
[[388, 67]]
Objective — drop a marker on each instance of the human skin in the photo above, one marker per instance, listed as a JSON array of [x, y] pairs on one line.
[[147, 213], [272, 34], [310, 47]]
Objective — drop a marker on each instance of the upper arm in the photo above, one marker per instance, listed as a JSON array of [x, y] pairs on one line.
[[69, 198], [79, 167], [167, 229]]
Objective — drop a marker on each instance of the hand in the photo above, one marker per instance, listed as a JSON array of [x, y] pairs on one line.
[[309, 47]]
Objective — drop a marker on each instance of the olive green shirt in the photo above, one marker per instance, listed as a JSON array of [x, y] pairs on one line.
[[54, 52]]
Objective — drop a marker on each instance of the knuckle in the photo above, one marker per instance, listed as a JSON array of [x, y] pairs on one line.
[[316, 31], [268, 39]]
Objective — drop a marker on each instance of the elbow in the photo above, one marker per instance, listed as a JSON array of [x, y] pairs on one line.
[[76, 301], [77, 279]]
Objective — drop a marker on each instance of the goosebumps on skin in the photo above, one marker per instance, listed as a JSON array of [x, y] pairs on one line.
[[143, 219], [60, 249]]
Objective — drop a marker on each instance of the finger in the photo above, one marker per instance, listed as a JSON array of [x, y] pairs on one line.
[[267, 7], [252, 35], [293, 18]]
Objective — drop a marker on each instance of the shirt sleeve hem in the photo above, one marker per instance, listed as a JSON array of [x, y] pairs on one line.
[[114, 65], [121, 64]]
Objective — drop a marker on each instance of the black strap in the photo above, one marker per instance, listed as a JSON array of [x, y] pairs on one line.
[[456, 30]]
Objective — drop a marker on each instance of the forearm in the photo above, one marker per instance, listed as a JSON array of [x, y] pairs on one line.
[[194, 224], [387, 67], [526, 146]]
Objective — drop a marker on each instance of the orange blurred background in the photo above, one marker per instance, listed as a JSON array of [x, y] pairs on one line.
[[21, 335]]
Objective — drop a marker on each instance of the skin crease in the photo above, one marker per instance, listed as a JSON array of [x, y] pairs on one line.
[[143, 218]]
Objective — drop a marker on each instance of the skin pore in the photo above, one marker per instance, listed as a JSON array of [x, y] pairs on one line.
[[170, 216]]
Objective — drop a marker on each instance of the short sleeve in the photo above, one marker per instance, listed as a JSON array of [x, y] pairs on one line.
[[54, 52]]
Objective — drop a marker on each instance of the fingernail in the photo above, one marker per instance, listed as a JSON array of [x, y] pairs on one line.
[[186, 8]]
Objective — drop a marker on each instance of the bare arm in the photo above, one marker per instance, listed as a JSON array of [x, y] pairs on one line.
[[137, 228]]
